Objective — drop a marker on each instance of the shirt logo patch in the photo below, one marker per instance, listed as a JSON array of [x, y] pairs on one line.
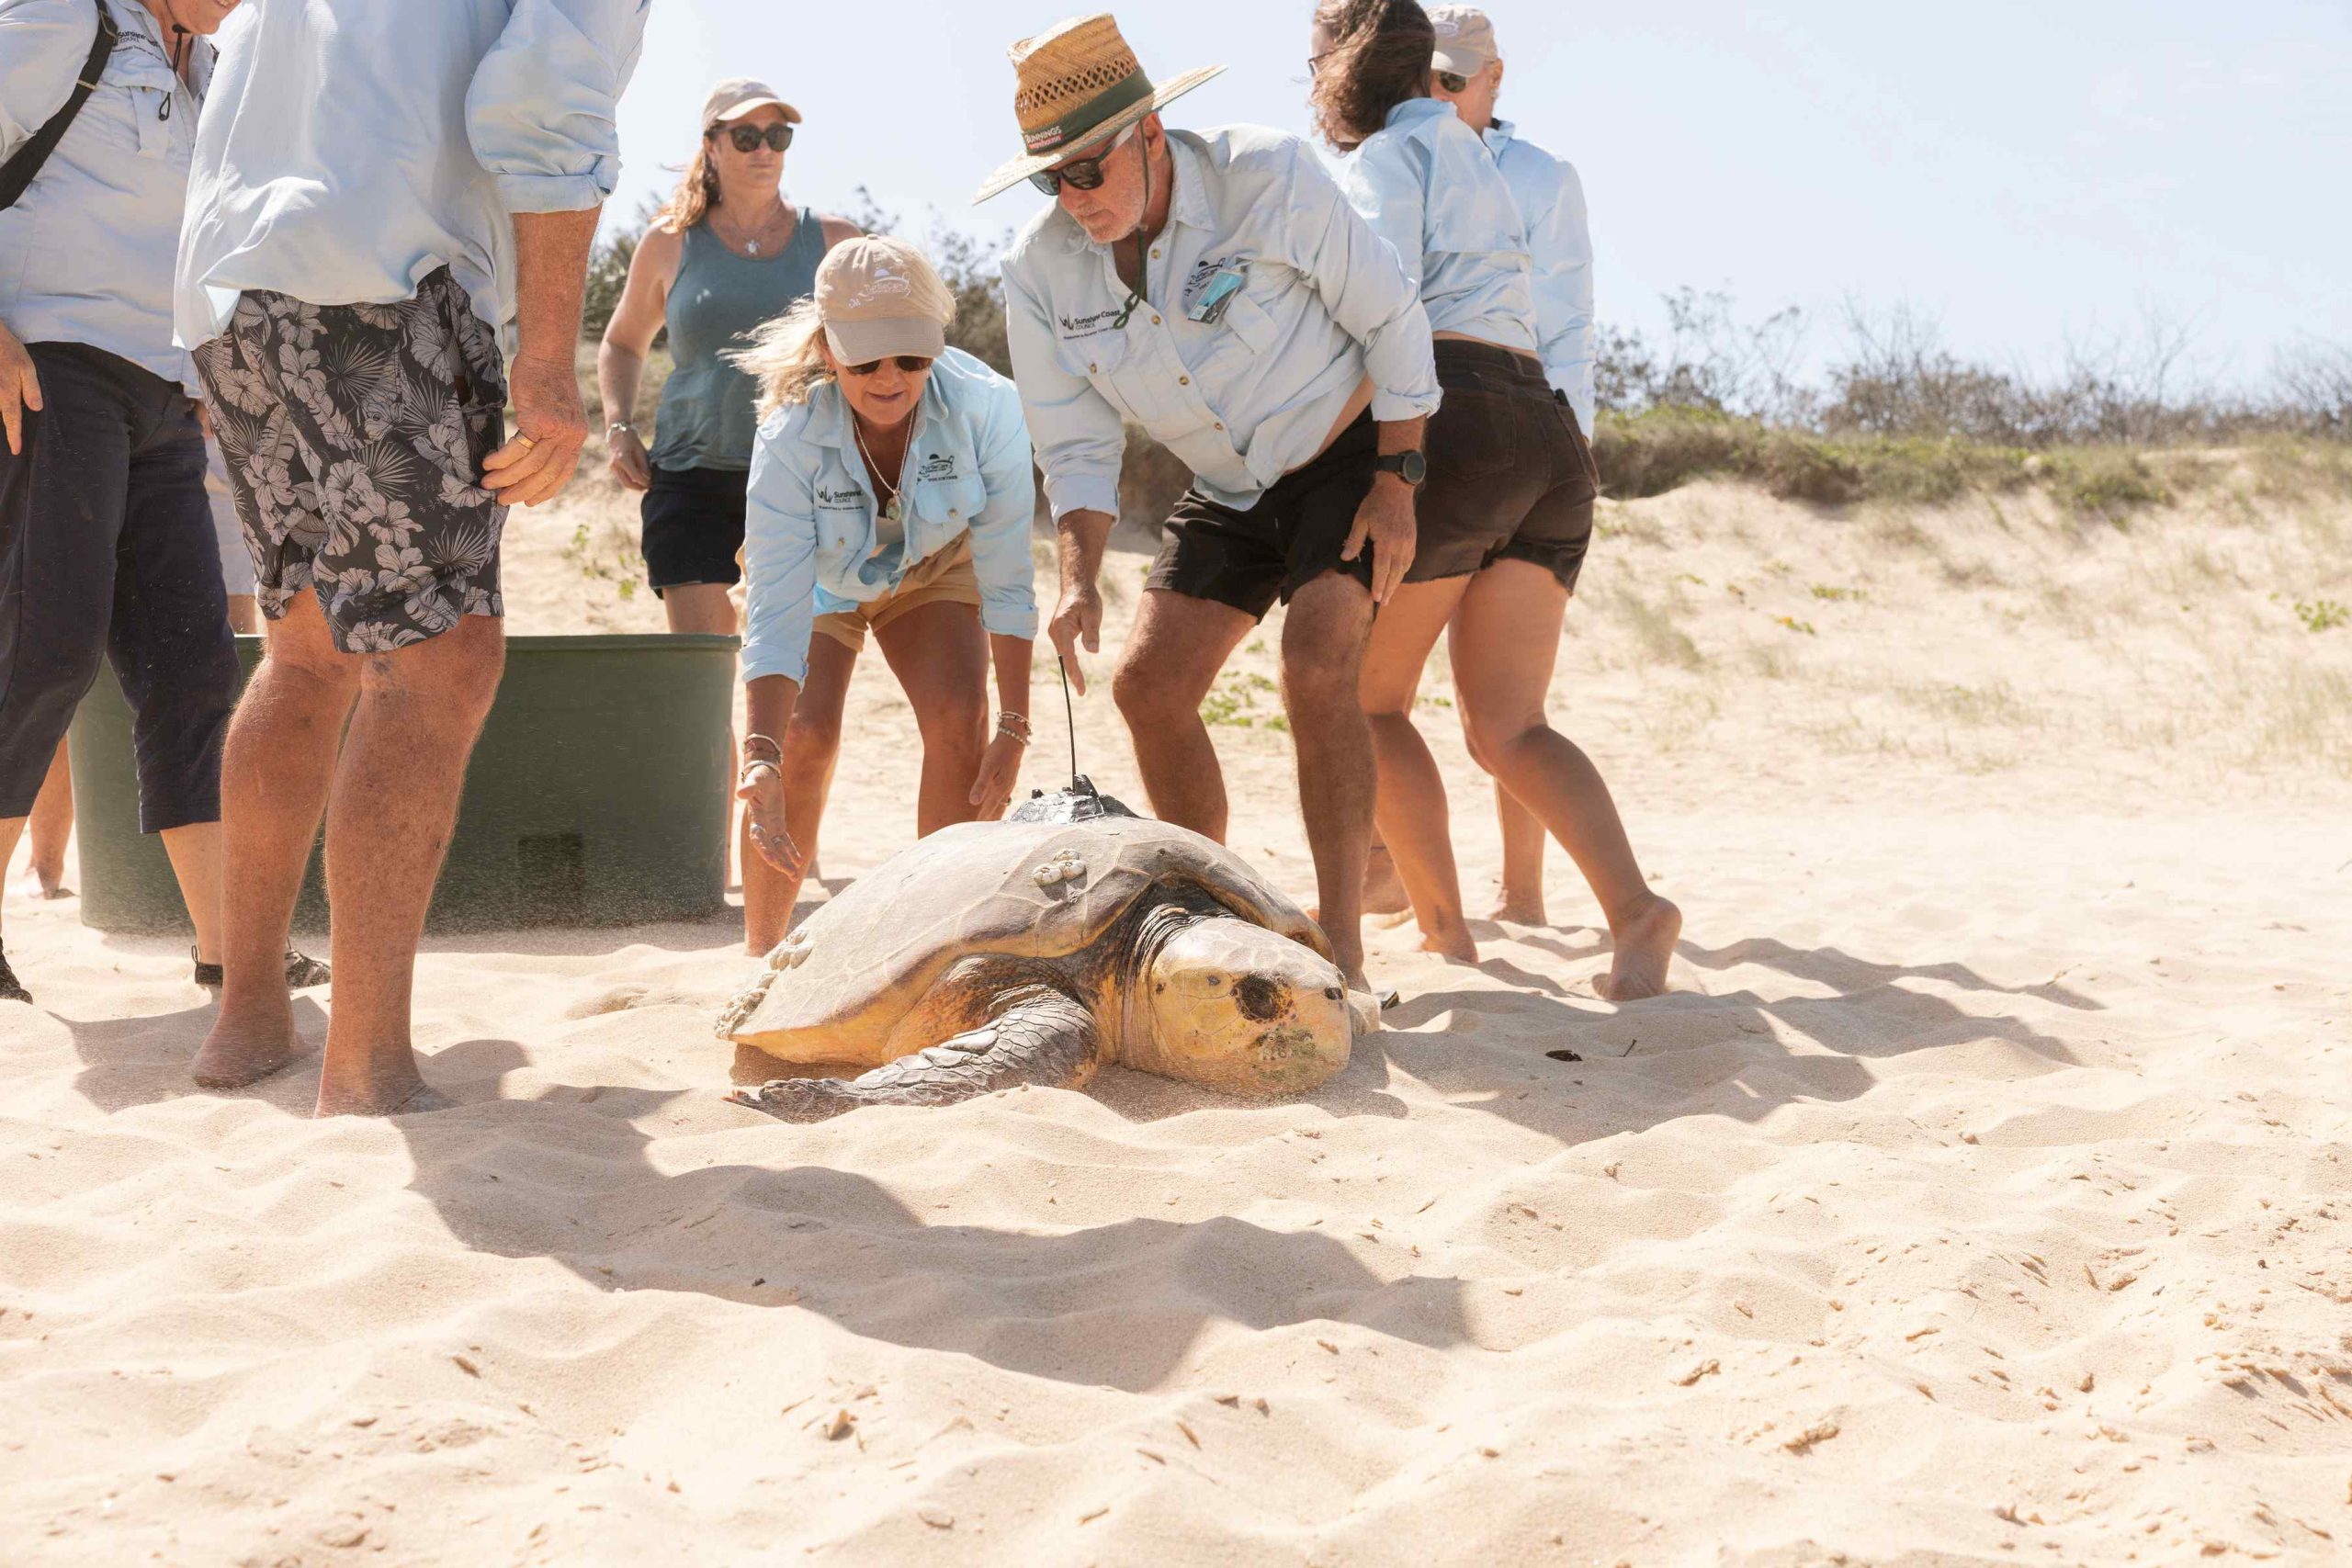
[[1076, 327], [850, 500], [938, 466]]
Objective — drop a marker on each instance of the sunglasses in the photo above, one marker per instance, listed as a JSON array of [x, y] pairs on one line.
[[747, 138], [908, 364], [1079, 174]]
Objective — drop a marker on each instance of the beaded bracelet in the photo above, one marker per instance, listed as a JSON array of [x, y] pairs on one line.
[[1016, 724]]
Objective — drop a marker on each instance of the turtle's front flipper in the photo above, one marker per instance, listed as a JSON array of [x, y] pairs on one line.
[[1037, 1037]]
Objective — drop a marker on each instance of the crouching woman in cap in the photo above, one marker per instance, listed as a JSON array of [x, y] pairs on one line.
[[890, 492]]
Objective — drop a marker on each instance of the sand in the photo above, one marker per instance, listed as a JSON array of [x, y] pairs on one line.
[[1982, 1191]]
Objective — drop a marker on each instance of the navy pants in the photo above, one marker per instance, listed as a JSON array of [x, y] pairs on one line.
[[107, 548]]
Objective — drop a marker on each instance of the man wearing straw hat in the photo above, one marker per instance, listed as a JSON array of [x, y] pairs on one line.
[[1216, 289]]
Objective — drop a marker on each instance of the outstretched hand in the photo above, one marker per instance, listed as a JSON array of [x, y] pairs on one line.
[[763, 792], [999, 771], [1078, 619]]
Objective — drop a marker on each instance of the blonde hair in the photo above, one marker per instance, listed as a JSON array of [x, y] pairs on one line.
[[788, 355], [696, 196]]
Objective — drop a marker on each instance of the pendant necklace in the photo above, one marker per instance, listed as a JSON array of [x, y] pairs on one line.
[[872, 468]]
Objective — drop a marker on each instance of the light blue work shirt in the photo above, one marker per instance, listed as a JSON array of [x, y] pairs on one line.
[[1429, 186], [810, 545], [86, 253], [1550, 200], [358, 147], [1244, 397]]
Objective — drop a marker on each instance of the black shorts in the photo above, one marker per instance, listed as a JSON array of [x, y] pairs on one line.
[[1290, 537], [694, 526], [1511, 476]]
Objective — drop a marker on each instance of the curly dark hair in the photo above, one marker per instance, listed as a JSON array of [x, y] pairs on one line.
[[1379, 58]]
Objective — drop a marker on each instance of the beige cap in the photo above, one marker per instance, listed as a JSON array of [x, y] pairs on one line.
[[739, 96], [879, 297], [1465, 39]]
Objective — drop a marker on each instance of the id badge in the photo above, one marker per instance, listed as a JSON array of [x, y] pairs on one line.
[[1216, 296]]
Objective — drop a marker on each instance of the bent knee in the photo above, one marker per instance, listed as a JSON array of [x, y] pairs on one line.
[[1490, 737], [1146, 697]]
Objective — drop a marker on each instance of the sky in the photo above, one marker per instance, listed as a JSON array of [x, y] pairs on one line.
[[2024, 175]]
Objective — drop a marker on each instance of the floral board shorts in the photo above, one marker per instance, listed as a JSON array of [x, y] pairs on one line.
[[355, 437]]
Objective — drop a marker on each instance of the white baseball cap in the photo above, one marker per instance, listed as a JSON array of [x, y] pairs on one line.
[[739, 96], [1465, 39]]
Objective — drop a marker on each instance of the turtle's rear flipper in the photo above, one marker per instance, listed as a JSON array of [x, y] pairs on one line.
[[1038, 1037]]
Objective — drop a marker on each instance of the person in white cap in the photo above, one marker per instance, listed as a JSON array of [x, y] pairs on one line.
[[1508, 514], [1467, 70], [726, 256], [1216, 289], [891, 492]]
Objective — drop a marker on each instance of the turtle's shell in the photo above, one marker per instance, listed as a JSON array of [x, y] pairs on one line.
[[1036, 890]]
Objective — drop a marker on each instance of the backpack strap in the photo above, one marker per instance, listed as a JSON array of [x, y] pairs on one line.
[[19, 171]]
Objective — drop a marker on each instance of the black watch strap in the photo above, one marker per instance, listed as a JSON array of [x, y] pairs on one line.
[[1410, 467]]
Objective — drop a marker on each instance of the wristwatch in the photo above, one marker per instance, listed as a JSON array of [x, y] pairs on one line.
[[1410, 467]]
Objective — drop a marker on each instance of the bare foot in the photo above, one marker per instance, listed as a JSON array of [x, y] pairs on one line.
[[242, 1051], [423, 1099], [1520, 909], [1644, 945], [388, 1085], [1383, 890], [1457, 946]]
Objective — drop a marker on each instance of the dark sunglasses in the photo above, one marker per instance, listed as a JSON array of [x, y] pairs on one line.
[[1079, 174], [747, 138], [908, 364]]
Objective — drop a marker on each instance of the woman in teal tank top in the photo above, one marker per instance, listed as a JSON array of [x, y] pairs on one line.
[[727, 255]]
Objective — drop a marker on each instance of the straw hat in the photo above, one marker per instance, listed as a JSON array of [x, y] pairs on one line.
[[1078, 83]]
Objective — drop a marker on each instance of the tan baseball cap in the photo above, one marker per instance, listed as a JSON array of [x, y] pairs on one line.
[[739, 96], [1465, 39], [879, 297]]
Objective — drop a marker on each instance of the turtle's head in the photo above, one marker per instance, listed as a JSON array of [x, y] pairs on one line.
[[1237, 1007]]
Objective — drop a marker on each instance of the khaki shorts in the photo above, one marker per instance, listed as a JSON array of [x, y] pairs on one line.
[[946, 575]]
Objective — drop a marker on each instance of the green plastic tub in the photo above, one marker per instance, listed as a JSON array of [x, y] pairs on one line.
[[597, 796]]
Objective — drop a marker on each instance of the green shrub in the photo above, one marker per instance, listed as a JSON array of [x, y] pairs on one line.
[[2104, 484]]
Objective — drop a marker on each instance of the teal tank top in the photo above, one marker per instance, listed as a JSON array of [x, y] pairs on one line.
[[708, 418]]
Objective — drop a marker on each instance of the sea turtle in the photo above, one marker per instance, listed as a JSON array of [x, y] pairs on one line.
[[993, 954]]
